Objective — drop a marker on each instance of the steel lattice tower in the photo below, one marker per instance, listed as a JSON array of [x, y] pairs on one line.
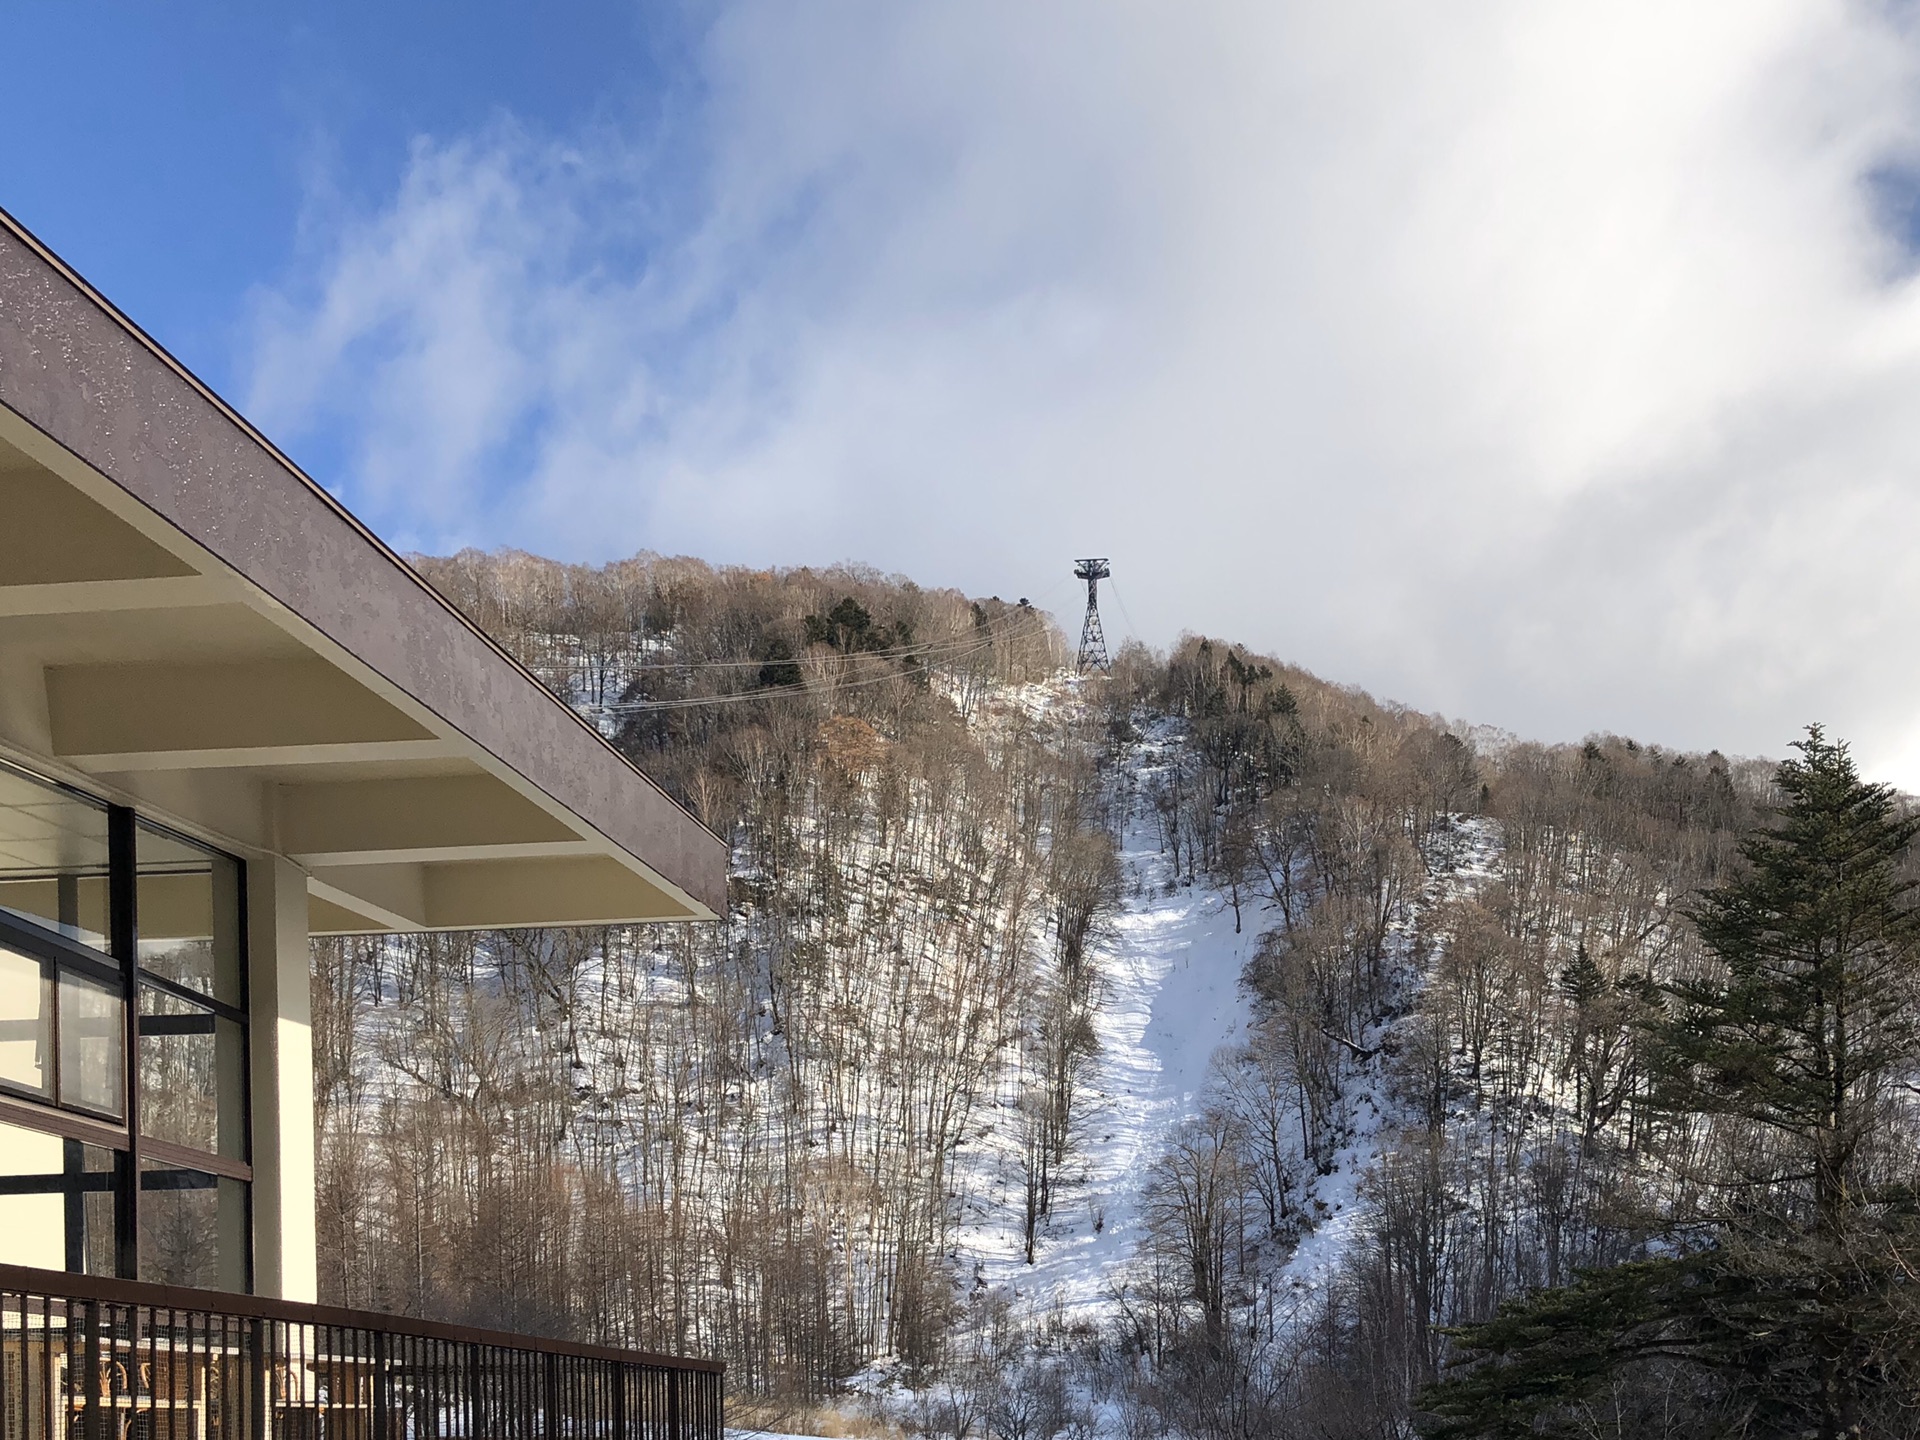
[[1093, 640]]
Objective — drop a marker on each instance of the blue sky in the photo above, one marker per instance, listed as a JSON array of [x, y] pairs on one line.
[[1552, 367], [171, 151]]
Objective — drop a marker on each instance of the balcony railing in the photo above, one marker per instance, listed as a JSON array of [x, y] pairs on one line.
[[83, 1358]]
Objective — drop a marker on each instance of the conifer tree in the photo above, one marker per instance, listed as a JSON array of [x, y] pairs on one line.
[[1787, 1297]]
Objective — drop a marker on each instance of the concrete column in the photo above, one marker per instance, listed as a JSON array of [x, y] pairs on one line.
[[281, 996]]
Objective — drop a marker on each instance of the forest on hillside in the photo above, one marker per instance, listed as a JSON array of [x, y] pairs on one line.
[[757, 1138]]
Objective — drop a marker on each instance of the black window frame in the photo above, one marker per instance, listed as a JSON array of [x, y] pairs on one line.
[[176, 1166], [215, 1011], [56, 953]]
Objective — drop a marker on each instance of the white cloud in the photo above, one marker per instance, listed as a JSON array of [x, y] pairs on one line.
[[1541, 364]]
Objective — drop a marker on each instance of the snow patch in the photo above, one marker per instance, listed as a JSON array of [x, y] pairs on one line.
[[1170, 998]]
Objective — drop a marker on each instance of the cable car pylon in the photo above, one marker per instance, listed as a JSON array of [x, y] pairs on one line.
[[1093, 640]]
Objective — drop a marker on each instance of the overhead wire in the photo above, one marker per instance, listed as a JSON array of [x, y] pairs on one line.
[[1120, 600], [973, 645], [936, 653], [892, 652], [695, 702], [888, 653]]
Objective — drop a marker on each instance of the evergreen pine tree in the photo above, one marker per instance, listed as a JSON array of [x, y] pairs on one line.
[[1791, 1059]]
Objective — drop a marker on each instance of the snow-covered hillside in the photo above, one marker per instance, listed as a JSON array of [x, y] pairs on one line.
[[1169, 996], [1172, 1003], [1462, 859], [981, 1025]]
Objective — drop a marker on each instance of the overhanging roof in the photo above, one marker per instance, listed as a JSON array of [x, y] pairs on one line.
[[190, 622]]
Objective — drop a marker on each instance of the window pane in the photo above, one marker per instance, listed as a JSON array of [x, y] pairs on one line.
[[189, 908], [97, 1248], [33, 1225], [53, 858], [193, 1228], [26, 1022], [57, 1202], [192, 1075], [93, 1045]]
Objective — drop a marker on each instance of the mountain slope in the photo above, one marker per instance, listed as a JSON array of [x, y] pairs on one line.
[[1169, 996], [1216, 1032]]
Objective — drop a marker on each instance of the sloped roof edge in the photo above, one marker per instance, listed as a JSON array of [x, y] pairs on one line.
[[80, 372]]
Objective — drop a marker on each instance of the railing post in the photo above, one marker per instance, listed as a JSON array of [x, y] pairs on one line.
[[476, 1396], [619, 1372], [674, 1428], [382, 1405], [96, 1422], [429, 1404], [257, 1379], [550, 1383]]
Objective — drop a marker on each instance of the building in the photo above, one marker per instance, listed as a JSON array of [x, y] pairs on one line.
[[230, 718]]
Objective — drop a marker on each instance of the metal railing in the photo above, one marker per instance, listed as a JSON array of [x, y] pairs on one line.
[[84, 1358]]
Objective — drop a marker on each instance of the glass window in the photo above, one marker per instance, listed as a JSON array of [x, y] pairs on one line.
[[67, 1007], [193, 1228], [53, 858], [192, 1074], [26, 1022], [96, 1251], [89, 1190], [93, 1045], [189, 908], [33, 1215], [57, 1202], [64, 991], [193, 1062]]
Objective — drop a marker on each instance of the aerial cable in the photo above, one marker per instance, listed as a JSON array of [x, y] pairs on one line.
[[1121, 601], [693, 702], [890, 653], [697, 702]]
